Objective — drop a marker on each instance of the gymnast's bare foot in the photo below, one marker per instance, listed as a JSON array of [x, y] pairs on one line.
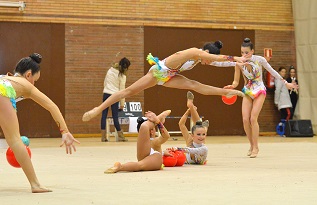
[[231, 93], [190, 99], [90, 114], [40, 189], [254, 153], [163, 115], [116, 167]]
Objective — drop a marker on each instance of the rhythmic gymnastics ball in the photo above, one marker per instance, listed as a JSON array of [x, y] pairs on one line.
[[11, 158], [181, 158], [229, 101], [169, 161], [25, 140]]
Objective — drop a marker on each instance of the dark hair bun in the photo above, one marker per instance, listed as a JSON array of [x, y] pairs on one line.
[[36, 57], [199, 123], [218, 44], [140, 120], [246, 40]]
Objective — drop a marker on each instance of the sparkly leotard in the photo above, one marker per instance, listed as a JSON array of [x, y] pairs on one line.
[[196, 154], [7, 90], [162, 73]]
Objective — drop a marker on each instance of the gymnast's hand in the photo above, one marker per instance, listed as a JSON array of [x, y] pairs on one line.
[[241, 59], [167, 153], [68, 140], [228, 87]]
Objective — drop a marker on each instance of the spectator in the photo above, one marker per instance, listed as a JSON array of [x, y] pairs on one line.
[[114, 82], [293, 92], [281, 98]]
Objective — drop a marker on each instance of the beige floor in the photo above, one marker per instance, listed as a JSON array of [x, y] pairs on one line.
[[285, 172]]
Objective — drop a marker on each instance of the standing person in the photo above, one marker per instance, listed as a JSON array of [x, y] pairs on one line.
[[21, 86], [293, 92], [114, 82], [281, 97], [196, 151], [149, 151], [254, 89], [166, 73]]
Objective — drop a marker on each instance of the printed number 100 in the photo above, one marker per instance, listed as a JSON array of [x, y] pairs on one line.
[[135, 107]]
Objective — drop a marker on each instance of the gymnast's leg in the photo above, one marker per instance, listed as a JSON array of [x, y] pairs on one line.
[[143, 83], [10, 127], [181, 82]]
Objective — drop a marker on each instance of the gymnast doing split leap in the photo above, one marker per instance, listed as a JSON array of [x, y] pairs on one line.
[[167, 73]]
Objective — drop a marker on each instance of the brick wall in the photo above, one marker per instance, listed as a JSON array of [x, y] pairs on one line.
[[283, 45], [248, 14], [90, 50]]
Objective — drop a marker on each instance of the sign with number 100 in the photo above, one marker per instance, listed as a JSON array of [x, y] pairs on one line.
[[135, 107]]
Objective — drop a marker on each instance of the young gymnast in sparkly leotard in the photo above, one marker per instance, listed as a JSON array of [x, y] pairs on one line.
[[254, 90], [195, 151], [166, 73]]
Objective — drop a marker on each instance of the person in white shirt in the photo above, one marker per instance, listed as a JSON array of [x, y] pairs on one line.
[[114, 82], [282, 99]]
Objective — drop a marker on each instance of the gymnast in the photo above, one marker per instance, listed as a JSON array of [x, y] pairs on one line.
[[254, 89], [21, 86], [196, 151], [149, 151], [167, 73]]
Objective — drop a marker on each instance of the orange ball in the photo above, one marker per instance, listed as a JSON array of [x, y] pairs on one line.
[[169, 161], [11, 158], [181, 157], [229, 101]]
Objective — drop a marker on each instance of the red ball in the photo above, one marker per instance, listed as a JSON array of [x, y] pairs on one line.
[[181, 158], [229, 101], [169, 161], [11, 158]]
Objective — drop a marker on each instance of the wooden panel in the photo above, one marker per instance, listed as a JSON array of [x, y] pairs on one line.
[[21, 39]]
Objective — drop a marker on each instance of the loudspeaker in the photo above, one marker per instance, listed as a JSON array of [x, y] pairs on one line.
[[299, 128]]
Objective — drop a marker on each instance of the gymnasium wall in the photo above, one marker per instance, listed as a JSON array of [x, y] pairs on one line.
[[96, 30], [19, 40]]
